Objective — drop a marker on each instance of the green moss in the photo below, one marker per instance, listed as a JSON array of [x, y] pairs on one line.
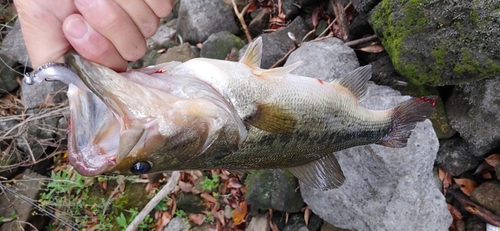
[[413, 20], [468, 65], [473, 16]]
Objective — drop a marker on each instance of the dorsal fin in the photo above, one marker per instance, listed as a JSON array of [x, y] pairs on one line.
[[356, 81], [253, 54], [278, 71]]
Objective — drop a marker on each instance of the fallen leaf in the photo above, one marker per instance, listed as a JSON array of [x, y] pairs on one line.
[[307, 215], [445, 177], [493, 160], [483, 168], [487, 176], [208, 197], [240, 213], [185, 187], [466, 185], [197, 218], [375, 48]]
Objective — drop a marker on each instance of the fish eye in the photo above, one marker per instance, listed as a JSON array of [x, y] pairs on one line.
[[141, 167]]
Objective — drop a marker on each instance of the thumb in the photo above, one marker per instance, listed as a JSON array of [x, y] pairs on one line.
[[42, 29]]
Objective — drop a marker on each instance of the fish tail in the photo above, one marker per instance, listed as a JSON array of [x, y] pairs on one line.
[[405, 117]]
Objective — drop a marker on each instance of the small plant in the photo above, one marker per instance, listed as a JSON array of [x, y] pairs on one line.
[[180, 213], [210, 184]]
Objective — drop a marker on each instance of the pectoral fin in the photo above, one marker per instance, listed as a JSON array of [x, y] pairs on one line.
[[272, 118], [323, 174]]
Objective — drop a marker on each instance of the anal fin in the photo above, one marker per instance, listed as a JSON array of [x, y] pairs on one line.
[[323, 174], [272, 118]]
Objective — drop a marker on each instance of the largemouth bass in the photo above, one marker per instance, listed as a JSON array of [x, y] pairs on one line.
[[207, 113]]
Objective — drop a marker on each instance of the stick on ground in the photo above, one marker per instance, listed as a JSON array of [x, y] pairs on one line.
[[154, 201]]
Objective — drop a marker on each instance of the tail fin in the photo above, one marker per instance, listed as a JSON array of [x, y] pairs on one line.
[[405, 117]]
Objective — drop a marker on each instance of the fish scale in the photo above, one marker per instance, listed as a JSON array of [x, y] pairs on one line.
[[207, 113]]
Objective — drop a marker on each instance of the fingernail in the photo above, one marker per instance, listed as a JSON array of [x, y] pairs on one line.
[[76, 28], [85, 2]]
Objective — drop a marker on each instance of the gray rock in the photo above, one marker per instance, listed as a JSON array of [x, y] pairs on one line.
[[8, 80], [38, 94], [273, 189], [329, 227], [364, 6], [199, 19], [290, 8], [277, 44], [472, 110], [259, 22], [180, 53], [163, 35], [484, 195], [220, 44], [259, 223], [13, 45], [326, 69], [176, 224], [454, 156], [30, 189], [439, 42]]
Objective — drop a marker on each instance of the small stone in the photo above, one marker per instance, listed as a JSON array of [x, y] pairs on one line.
[[180, 53], [259, 22], [486, 194], [176, 224], [259, 223]]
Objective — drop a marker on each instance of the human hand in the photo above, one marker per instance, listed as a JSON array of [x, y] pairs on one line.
[[108, 32]]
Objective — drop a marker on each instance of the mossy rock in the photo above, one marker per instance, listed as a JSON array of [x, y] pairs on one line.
[[273, 189], [437, 43], [219, 45]]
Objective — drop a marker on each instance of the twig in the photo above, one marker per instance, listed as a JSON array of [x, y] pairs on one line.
[[356, 42], [341, 18], [242, 20], [334, 20], [155, 200], [476, 209]]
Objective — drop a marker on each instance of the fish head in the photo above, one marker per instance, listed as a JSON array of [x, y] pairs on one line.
[[138, 122]]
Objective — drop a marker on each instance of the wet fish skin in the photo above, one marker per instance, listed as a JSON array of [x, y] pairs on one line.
[[207, 113]]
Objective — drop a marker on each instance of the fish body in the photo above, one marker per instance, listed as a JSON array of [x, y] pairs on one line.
[[206, 113]]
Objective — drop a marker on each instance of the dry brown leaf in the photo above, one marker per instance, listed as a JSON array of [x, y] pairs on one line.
[[185, 187], [375, 48], [483, 168], [466, 185], [208, 197], [307, 215], [454, 212], [487, 176], [446, 178], [240, 213], [493, 160], [197, 218]]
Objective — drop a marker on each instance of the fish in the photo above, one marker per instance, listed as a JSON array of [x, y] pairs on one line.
[[208, 113]]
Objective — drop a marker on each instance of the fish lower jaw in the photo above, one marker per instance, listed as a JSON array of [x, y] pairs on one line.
[[91, 163]]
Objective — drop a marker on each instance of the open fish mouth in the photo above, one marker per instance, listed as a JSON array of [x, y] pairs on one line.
[[93, 139]]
